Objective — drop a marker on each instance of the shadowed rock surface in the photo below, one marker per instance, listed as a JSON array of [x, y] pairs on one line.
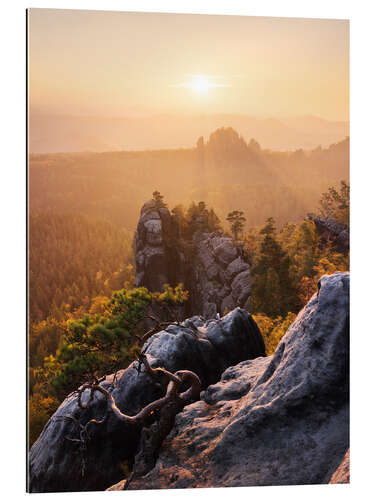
[[332, 230], [278, 420], [214, 272], [205, 347], [151, 253]]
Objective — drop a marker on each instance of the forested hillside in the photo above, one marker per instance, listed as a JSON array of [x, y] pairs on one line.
[[72, 259], [83, 212], [284, 185], [77, 330], [64, 133]]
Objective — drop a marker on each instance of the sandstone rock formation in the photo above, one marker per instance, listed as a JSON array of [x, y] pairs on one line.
[[151, 254], [221, 278], [217, 277], [205, 347], [278, 420], [331, 229]]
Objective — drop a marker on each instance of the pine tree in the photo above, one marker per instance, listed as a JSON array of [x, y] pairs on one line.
[[336, 203], [272, 291], [237, 222], [99, 343], [159, 198]]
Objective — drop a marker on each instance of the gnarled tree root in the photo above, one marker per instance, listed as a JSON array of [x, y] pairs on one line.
[[165, 409]]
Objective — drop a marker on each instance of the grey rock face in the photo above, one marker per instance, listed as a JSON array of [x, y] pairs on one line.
[[235, 267], [154, 232], [335, 231], [225, 252], [209, 310], [217, 277], [148, 206], [227, 304], [151, 255], [152, 214], [240, 287], [278, 420], [205, 347], [222, 277]]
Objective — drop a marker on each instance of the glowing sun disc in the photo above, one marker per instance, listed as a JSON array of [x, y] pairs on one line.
[[200, 84]]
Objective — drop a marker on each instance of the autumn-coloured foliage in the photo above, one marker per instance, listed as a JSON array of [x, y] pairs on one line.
[[73, 258], [78, 332], [273, 329], [94, 345]]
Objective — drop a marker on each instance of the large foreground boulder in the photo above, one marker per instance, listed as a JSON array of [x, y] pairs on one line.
[[280, 420], [205, 347]]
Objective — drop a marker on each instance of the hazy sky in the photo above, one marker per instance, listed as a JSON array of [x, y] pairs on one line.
[[117, 64]]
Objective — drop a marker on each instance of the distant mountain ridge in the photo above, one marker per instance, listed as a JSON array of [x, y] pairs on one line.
[[65, 134], [223, 169]]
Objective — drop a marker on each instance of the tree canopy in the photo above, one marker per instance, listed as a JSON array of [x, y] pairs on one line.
[[237, 221], [159, 198], [96, 344], [335, 203]]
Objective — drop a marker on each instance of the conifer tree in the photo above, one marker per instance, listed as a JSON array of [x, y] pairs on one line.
[[96, 344], [335, 203], [237, 222], [159, 198], [272, 291]]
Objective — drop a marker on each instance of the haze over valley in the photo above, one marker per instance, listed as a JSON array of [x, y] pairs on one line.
[[64, 133], [188, 196]]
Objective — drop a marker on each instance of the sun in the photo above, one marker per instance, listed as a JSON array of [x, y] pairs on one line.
[[200, 84]]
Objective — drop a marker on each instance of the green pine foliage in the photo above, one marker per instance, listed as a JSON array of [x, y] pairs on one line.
[[98, 344], [94, 345], [287, 265], [272, 291], [159, 198], [335, 203], [237, 221], [86, 318], [198, 217]]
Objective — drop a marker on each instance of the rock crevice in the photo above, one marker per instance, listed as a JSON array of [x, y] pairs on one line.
[[204, 347], [210, 266], [278, 420]]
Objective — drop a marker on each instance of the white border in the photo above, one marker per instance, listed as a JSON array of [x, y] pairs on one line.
[[361, 15]]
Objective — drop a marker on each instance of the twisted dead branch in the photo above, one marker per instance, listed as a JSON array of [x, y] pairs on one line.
[[165, 407], [158, 325]]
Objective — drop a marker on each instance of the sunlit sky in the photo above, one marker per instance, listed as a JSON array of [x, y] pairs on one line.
[[118, 64]]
